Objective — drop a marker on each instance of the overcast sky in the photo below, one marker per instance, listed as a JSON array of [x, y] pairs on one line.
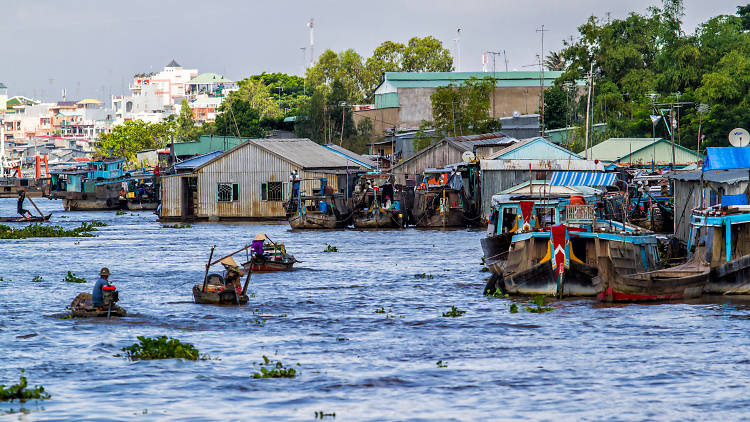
[[93, 47]]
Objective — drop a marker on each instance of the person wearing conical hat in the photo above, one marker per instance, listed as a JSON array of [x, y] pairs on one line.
[[257, 246]]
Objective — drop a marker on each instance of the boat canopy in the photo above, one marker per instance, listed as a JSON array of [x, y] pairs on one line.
[[577, 178], [727, 158]]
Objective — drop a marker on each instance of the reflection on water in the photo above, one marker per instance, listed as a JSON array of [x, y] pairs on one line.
[[583, 360]]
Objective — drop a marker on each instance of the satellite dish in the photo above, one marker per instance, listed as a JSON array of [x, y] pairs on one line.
[[739, 137], [516, 113], [468, 156]]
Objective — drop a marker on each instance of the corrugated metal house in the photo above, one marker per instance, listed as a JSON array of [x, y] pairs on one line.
[[448, 151], [251, 180], [687, 193], [641, 151], [499, 175]]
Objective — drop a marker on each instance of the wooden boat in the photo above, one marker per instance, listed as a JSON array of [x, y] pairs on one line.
[[680, 282], [375, 203], [324, 209], [136, 205], [222, 290], [33, 219], [377, 218], [316, 220], [82, 307], [275, 258], [564, 260], [441, 200]]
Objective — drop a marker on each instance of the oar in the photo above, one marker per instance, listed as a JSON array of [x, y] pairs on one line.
[[37, 208], [247, 279], [205, 276]]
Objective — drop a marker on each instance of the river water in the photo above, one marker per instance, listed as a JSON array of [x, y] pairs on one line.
[[580, 361]]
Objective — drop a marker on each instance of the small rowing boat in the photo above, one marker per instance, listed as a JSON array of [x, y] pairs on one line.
[[218, 289], [33, 219]]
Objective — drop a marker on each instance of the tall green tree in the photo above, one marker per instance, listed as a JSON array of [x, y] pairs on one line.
[[239, 118], [464, 110], [185, 130], [127, 139]]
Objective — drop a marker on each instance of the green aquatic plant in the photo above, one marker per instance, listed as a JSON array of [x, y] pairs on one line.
[[176, 226], [424, 275], [271, 369], [72, 278], [453, 313], [42, 230], [320, 414], [442, 364], [538, 305], [484, 270], [20, 391], [93, 223], [162, 347], [120, 212], [330, 248], [380, 310], [499, 293], [37, 279], [513, 308]]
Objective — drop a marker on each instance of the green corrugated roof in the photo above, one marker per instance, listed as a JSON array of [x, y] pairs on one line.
[[209, 78], [207, 144], [436, 79], [615, 149]]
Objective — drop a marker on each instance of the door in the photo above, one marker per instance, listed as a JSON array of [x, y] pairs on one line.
[[189, 191]]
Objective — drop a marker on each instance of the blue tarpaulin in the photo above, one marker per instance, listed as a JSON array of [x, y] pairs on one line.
[[740, 199], [727, 158], [578, 178]]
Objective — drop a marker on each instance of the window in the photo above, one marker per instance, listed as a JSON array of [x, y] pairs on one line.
[[227, 192], [272, 191]]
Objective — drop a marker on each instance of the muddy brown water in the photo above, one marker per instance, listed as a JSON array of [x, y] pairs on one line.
[[581, 361]]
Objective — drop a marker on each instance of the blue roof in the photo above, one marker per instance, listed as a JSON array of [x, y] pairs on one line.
[[570, 178], [726, 158], [198, 161]]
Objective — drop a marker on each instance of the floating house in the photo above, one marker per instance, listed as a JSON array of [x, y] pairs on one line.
[[725, 187], [251, 180], [449, 151], [534, 159]]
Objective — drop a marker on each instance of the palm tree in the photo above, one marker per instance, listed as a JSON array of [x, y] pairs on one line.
[[555, 61]]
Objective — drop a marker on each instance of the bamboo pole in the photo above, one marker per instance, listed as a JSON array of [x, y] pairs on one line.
[[247, 279], [205, 276], [37, 208], [227, 256]]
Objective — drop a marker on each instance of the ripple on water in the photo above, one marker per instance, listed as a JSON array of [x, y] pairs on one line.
[[583, 360]]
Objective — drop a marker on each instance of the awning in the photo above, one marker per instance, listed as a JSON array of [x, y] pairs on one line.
[[580, 178], [726, 158]]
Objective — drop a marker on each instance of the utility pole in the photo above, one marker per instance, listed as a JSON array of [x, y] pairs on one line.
[[541, 64], [457, 40], [281, 89], [311, 25], [343, 113], [588, 107], [304, 67], [494, 76]]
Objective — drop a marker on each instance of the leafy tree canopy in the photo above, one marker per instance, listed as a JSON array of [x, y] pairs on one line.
[[127, 139]]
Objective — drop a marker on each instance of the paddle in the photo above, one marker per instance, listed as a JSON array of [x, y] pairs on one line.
[[37, 208]]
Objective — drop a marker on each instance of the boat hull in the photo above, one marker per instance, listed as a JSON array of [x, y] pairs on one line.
[[269, 265], [495, 250], [135, 205], [81, 307], [315, 221], [730, 278], [681, 282], [541, 279], [453, 218], [376, 220], [91, 204], [227, 297], [35, 219]]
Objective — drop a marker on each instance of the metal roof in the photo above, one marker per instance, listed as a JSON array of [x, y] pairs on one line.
[[519, 164], [299, 151], [209, 78], [436, 79], [304, 152], [615, 149], [715, 176], [364, 161], [198, 161], [173, 63], [538, 156]]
